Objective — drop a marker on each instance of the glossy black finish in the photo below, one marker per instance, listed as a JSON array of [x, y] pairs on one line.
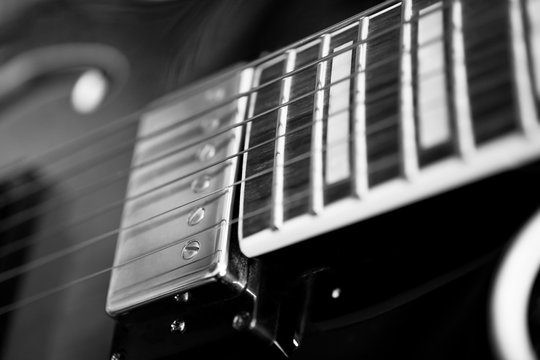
[[413, 283], [168, 44], [12, 202]]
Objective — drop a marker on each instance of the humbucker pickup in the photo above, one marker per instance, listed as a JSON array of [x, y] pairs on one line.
[[174, 233]]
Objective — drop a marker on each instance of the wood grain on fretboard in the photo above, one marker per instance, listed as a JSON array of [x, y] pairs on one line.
[[395, 105]]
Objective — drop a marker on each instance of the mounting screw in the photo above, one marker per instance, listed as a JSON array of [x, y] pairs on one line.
[[117, 356], [182, 298], [191, 249], [241, 320], [178, 326]]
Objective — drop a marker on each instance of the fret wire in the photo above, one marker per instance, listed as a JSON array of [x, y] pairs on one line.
[[530, 10], [360, 164], [135, 116], [460, 95], [407, 128], [279, 148], [317, 141], [522, 78]]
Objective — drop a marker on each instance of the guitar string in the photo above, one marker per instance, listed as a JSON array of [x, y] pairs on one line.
[[31, 299], [234, 154], [19, 270], [127, 146], [6, 275], [296, 197], [97, 134], [108, 180], [7, 249], [41, 261], [40, 208]]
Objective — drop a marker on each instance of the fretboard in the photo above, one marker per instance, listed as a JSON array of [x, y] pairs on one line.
[[395, 105]]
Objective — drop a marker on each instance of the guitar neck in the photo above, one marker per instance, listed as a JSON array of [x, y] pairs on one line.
[[395, 105], [392, 106]]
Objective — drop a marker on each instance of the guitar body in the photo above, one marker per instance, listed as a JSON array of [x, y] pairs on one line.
[[165, 46], [412, 283]]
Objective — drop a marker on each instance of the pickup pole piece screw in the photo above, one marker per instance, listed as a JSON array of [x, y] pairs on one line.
[[210, 123], [117, 356], [178, 326], [191, 249], [196, 216], [206, 152], [201, 183], [241, 320]]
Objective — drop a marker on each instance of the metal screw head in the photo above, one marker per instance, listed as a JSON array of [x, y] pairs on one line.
[[209, 124], [178, 326], [117, 356], [201, 183], [216, 94], [196, 216], [191, 249], [182, 298], [206, 152], [241, 320]]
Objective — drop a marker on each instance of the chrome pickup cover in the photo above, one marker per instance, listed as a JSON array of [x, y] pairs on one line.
[[174, 233]]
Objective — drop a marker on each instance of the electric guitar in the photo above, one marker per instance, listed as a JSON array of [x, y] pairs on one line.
[[350, 195]]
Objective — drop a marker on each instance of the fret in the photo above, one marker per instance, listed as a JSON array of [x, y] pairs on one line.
[[527, 115], [532, 12], [408, 140], [299, 131], [337, 122], [382, 96], [338, 110], [360, 166], [257, 190], [434, 130], [317, 180], [279, 153], [488, 52], [460, 94]]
